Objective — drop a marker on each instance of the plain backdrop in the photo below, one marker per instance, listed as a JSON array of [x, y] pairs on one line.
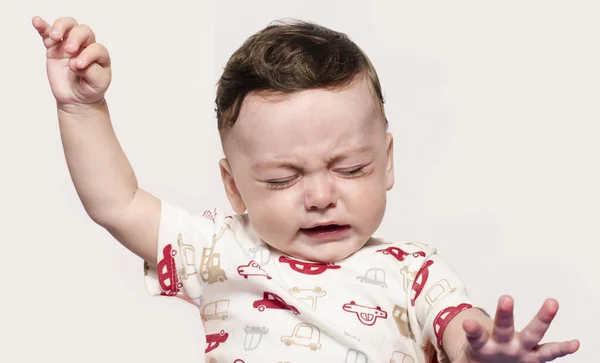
[[494, 108]]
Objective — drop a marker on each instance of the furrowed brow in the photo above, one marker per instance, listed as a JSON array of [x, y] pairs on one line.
[[347, 153], [275, 164]]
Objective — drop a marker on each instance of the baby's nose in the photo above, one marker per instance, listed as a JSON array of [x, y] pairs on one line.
[[319, 192]]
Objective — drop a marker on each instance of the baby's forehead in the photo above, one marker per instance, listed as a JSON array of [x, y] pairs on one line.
[[312, 141], [317, 107], [307, 121]]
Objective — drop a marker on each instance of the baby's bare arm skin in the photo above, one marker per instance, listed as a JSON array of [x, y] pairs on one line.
[[103, 177]]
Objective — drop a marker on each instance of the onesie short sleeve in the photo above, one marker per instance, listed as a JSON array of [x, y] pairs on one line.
[[437, 295], [183, 241]]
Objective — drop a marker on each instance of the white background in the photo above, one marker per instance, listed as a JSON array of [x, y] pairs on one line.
[[494, 108]]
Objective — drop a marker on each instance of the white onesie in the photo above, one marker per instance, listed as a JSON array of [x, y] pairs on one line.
[[385, 303]]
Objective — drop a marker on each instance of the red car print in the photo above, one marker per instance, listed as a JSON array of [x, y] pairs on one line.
[[210, 214], [308, 268], [400, 254], [365, 314], [420, 281], [213, 340], [167, 273], [272, 301], [252, 269], [443, 318]]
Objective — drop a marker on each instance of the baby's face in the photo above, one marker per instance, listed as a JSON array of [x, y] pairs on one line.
[[312, 170]]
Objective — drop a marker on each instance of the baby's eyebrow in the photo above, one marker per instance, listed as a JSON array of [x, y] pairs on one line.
[[276, 164], [288, 164], [337, 156]]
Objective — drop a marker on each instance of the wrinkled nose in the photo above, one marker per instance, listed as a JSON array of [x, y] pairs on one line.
[[319, 192]]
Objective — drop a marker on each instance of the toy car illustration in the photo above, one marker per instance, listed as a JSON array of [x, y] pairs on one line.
[[311, 295], [399, 253], [308, 268], [254, 335], [443, 318], [420, 281], [214, 340], [374, 276], [305, 335], [355, 356], [365, 314], [399, 357], [215, 310], [260, 254], [273, 301], [252, 269], [167, 273], [187, 257]]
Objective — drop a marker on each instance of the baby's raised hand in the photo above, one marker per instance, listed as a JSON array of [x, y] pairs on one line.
[[505, 345], [78, 67]]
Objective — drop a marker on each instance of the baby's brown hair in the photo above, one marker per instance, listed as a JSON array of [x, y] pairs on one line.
[[286, 57]]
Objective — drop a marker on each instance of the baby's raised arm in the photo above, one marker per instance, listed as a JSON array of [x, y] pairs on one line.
[[79, 72]]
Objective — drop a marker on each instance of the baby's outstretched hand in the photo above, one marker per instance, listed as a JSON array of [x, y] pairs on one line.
[[504, 344], [78, 67]]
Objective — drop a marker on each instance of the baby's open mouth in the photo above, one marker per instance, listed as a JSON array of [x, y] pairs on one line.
[[326, 231]]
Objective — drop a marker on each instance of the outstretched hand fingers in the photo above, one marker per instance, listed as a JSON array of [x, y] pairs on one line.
[[477, 336], [550, 351], [504, 328], [535, 330]]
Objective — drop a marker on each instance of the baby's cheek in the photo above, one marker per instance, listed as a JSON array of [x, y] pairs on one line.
[[369, 206], [271, 219]]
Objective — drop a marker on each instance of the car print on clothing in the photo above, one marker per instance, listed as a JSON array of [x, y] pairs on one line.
[[187, 258], [210, 261], [355, 356], [306, 335], [309, 295], [438, 291], [210, 214], [308, 268], [373, 276], [443, 318], [273, 301], [400, 316], [167, 273], [214, 340], [215, 310], [252, 269], [420, 281], [399, 254], [261, 254], [254, 336], [400, 357], [365, 314]]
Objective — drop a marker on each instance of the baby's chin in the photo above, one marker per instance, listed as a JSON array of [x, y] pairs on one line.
[[328, 252]]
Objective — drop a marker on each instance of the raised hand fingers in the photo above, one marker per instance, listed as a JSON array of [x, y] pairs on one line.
[[43, 29], [94, 53], [53, 34], [80, 36], [61, 27], [504, 328], [535, 330], [550, 351], [477, 336]]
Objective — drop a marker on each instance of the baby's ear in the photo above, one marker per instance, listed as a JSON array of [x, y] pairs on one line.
[[389, 167], [231, 189]]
